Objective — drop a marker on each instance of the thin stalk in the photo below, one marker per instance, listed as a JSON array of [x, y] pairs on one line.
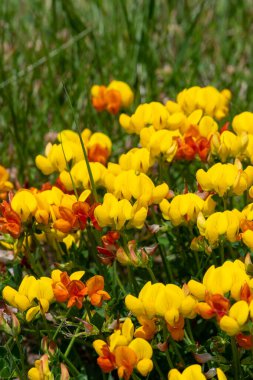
[[236, 361], [152, 275], [158, 369], [132, 280], [189, 330], [72, 341], [117, 278], [180, 357], [22, 356], [70, 365], [167, 267], [165, 336], [61, 324], [93, 187]]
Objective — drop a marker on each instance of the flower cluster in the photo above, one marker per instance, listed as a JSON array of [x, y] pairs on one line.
[[170, 203], [113, 97]]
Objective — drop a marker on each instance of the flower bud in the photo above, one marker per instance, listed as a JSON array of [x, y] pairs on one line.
[[15, 325], [122, 257], [4, 325]]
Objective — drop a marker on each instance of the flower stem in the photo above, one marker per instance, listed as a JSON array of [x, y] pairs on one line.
[[236, 361], [165, 335]]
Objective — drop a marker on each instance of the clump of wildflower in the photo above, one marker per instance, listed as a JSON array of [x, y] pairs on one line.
[[124, 353], [115, 96]]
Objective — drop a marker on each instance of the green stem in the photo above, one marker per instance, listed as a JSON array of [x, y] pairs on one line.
[[167, 267], [61, 324], [132, 280], [117, 278], [236, 361], [158, 369], [72, 341], [165, 336], [70, 365], [176, 350], [222, 256], [189, 330], [152, 275], [22, 356]]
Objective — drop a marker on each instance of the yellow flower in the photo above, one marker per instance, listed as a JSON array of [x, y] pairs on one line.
[[193, 372], [185, 208], [208, 99], [238, 316], [243, 123], [144, 353], [154, 114], [5, 185], [162, 142], [113, 212], [220, 224], [122, 336], [31, 292], [144, 304], [24, 204], [228, 144], [137, 159], [80, 175], [41, 370], [125, 91], [225, 178]]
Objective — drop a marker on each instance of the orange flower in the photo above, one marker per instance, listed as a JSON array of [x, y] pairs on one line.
[[67, 221], [71, 290], [106, 99], [177, 331], [95, 286], [245, 341], [113, 101], [246, 294], [107, 361], [97, 153], [99, 101], [192, 144], [10, 222], [215, 305], [76, 218], [147, 329], [126, 360]]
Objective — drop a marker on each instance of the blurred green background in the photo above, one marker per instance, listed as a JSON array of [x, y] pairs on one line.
[[158, 47]]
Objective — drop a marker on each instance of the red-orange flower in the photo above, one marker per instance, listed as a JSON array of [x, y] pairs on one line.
[[113, 101], [97, 153], [107, 361], [10, 222], [107, 252], [75, 218], [245, 341], [95, 290], [215, 305], [246, 294], [99, 101], [69, 290], [177, 331], [192, 144]]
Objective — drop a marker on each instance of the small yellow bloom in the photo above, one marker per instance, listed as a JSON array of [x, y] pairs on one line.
[[24, 203]]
